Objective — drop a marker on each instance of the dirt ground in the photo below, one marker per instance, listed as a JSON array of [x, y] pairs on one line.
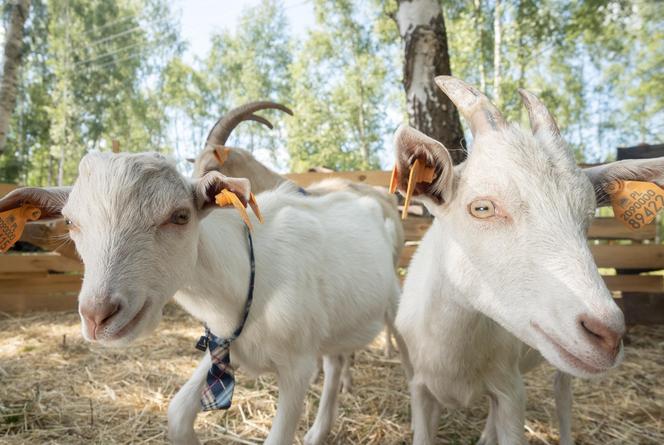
[[57, 389]]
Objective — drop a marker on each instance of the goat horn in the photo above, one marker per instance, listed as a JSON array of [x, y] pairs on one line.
[[539, 116], [474, 106], [226, 124], [260, 120]]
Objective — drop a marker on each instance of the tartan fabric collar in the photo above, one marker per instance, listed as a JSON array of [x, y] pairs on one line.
[[220, 381]]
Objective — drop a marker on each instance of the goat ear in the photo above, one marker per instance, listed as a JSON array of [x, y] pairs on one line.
[[648, 170], [411, 145], [50, 200], [213, 182]]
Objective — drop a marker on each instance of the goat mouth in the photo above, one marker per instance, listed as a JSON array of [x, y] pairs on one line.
[[570, 358], [131, 323]]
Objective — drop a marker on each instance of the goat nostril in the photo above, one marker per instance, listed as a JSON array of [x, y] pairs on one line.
[[590, 331], [603, 336]]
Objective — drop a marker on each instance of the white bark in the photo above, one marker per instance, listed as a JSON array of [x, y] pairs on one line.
[[497, 42], [12, 62]]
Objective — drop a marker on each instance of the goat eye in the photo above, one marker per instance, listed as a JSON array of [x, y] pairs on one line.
[[180, 217], [70, 224], [482, 208]]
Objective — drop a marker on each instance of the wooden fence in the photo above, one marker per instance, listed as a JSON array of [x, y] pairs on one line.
[[50, 281]]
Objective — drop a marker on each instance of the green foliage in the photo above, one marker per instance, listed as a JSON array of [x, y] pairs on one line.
[[97, 70], [342, 79], [85, 81]]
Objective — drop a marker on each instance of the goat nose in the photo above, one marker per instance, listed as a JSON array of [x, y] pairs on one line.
[[601, 335], [96, 313]]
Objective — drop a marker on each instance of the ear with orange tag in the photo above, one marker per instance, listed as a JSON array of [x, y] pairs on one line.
[[221, 154], [635, 203], [226, 198], [12, 223], [419, 172]]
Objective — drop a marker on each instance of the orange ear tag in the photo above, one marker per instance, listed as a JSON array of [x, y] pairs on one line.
[[393, 180], [418, 173], [254, 207], [635, 203], [12, 223], [221, 153], [226, 198]]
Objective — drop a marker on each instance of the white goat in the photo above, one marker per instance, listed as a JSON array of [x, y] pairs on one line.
[[505, 273], [325, 281], [240, 163]]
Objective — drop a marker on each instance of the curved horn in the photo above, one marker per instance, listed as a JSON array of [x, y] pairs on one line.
[[539, 116], [260, 120], [226, 124], [474, 106]]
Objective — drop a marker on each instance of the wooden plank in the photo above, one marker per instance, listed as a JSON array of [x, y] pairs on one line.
[[406, 254], [635, 283], [642, 308], [52, 292], [379, 178], [39, 302], [644, 151], [611, 228], [37, 262], [636, 256], [6, 188], [416, 226], [49, 285]]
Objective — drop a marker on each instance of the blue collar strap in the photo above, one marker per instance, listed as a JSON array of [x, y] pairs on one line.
[[220, 380]]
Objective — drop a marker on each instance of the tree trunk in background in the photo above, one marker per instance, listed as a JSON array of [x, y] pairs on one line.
[[497, 41], [478, 22], [12, 62], [422, 29]]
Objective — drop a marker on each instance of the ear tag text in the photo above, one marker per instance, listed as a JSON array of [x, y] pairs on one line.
[[635, 203], [226, 198], [419, 172], [12, 223]]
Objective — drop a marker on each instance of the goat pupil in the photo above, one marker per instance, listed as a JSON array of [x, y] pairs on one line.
[[482, 209]]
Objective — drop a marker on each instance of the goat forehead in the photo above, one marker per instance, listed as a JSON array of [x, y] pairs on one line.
[[533, 171], [128, 185]]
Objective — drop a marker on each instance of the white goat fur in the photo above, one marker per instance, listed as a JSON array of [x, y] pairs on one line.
[[479, 292], [325, 282], [241, 163]]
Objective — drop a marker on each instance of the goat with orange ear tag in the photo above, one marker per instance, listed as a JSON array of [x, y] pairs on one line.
[[12, 223]]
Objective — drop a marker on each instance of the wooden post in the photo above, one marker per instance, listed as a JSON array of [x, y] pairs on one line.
[[115, 146]]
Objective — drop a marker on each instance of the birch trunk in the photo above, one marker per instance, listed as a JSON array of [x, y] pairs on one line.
[[478, 22], [12, 62], [422, 29], [497, 42]]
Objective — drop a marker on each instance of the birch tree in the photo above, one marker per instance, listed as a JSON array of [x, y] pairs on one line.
[[422, 28], [12, 63]]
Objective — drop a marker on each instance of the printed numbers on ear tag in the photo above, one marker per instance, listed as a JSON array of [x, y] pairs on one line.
[[12, 223], [226, 198], [419, 172], [635, 203]]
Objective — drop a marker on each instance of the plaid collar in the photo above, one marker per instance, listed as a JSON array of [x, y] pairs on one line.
[[220, 381]]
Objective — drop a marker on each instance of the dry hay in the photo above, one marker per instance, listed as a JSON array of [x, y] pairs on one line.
[[54, 388]]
